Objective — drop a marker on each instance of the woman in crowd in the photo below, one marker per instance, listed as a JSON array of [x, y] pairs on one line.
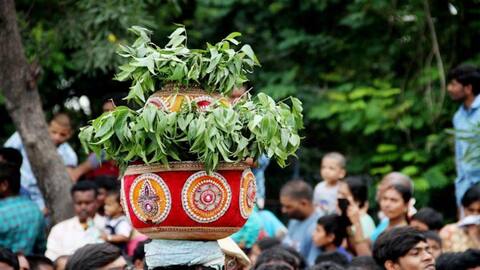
[[394, 204]]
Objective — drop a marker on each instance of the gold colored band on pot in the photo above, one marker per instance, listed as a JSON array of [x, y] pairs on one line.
[[189, 233], [181, 166]]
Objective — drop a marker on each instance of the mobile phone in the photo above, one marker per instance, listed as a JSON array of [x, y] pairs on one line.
[[343, 205]]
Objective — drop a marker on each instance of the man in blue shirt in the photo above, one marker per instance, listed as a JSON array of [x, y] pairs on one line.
[[464, 87], [22, 226], [296, 198]]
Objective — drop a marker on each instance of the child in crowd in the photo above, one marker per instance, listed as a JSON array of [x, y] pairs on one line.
[[434, 242], [330, 233], [117, 228], [105, 185], [332, 171], [427, 219], [60, 130]]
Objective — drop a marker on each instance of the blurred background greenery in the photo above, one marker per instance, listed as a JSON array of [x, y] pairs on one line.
[[369, 72]]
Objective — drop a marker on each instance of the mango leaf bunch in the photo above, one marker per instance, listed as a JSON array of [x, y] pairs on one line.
[[221, 132], [218, 68]]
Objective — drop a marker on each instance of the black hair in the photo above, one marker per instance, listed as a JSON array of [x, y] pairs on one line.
[[106, 182], [430, 217], [472, 195], [10, 173], [333, 256], [395, 243], [10, 258], [404, 191], [327, 266], [182, 267], [333, 224], [93, 256], [36, 261], [116, 193], [84, 186], [433, 236], [267, 243], [466, 75], [363, 263], [459, 260], [277, 254], [275, 266], [358, 187], [11, 155], [139, 252], [299, 258], [297, 190]]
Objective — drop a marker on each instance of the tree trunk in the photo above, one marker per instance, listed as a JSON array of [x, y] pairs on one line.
[[18, 85]]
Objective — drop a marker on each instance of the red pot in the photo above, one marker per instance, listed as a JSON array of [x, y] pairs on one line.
[[184, 202]]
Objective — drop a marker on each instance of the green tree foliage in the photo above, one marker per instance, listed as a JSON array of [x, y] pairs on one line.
[[367, 71]]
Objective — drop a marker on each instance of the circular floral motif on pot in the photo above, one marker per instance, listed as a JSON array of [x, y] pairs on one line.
[[150, 198], [203, 102], [206, 198], [248, 191]]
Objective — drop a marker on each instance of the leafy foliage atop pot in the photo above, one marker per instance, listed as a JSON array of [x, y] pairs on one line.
[[218, 68], [220, 132]]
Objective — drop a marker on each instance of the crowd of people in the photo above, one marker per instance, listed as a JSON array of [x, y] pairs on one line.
[[330, 225]]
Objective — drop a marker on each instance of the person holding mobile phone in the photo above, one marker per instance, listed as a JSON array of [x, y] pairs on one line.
[[353, 206]]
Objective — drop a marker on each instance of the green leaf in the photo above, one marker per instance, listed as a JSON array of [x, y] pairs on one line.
[[106, 127], [231, 38], [254, 123], [249, 52], [221, 133]]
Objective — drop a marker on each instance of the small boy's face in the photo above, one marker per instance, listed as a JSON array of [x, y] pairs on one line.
[[112, 207], [435, 248], [331, 171], [59, 134], [320, 237]]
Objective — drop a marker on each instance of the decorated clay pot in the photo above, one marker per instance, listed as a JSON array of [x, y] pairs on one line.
[[182, 201], [174, 98]]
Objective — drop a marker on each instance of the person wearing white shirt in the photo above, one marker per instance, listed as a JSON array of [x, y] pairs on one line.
[[84, 228]]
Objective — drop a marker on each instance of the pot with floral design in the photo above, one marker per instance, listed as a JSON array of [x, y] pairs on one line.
[[183, 201]]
